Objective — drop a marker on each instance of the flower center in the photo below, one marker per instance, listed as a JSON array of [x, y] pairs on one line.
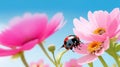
[[94, 47], [99, 31], [40, 65]]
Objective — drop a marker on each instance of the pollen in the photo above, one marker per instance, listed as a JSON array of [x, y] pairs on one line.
[[94, 46], [99, 31], [40, 65]]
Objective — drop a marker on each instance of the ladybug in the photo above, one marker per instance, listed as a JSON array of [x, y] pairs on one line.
[[71, 41]]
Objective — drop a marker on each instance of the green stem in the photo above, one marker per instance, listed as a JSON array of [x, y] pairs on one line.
[[102, 61], [56, 64], [45, 52], [23, 59], [115, 56], [90, 64], [60, 55]]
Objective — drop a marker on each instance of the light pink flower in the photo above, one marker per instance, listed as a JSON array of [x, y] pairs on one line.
[[39, 64], [92, 50], [100, 24], [72, 63], [25, 32]]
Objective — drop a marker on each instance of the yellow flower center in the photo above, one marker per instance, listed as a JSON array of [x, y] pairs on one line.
[[99, 31], [94, 46], [40, 65]]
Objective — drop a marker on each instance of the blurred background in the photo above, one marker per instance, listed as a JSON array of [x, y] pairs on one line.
[[70, 8]]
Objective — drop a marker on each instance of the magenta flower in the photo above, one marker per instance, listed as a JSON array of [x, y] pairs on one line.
[[92, 50], [39, 64], [100, 24], [25, 32], [72, 63]]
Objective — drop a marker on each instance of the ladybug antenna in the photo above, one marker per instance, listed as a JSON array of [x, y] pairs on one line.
[[61, 47]]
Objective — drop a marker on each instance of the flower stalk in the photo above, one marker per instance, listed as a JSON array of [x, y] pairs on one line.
[[51, 48], [45, 52], [23, 59], [112, 51], [115, 56], [102, 61], [90, 64]]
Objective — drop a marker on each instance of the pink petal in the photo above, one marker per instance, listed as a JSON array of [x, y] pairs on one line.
[[115, 12], [83, 20], [105, 47], [98, 37], [83, 26], [14, 21], [87, 59], [82, 50], [53, 25], [118, 35], [106, 43], [38, 64], [29, 45], [82, 36], [91, 18], [101, 18], [100, 52], [72, 63], [8, 52], [90, 37], [112, 28], [27, 29], [75, 21], [46, 65], [33, 64]]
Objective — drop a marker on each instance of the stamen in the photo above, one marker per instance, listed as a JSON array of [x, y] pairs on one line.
[[99, 31], [94, 46], [40, 65]]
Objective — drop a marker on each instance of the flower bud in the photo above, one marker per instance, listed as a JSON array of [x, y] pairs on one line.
[[51, 48]]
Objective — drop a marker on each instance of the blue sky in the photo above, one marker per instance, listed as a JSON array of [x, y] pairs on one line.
[[70, 9]]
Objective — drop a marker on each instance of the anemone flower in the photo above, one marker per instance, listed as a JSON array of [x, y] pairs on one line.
[[23, 33], [39, 64], [92, 50], [72, 63], [100, 24]]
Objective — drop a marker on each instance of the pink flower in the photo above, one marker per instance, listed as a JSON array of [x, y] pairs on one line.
[[100, 24], [25, 32], [72, 63], [39, 64], [92, 50]]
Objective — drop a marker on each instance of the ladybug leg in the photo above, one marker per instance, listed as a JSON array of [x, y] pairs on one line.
[[78, 48], [79, 45], [71, 48], [67, 48]]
